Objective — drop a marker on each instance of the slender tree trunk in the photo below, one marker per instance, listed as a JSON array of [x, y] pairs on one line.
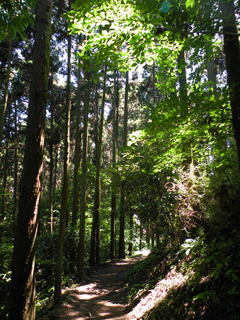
[[148, 232], [121, 252], [5, 97], [141, 235], [152, 233], [15, 173], [5, 174], [114, 160], [22, 301], [130, 246], [51, 167], [97, 185], [63, 212], [122, 205], [76, 156], [81, 270], [55, 172], [211, 72], [186, 147], [232, 57], [95, 234], [75, 206], [183, 79]]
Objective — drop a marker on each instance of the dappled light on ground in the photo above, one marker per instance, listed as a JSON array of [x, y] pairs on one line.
[[172, 280], [105, 295]]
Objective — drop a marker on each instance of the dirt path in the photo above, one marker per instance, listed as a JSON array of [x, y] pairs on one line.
[[104, 296]]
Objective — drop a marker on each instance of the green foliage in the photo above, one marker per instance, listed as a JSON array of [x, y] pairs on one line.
[[6, 251], [144, 275], [46, 248], [110, 26], [212, 288], [14, 17]]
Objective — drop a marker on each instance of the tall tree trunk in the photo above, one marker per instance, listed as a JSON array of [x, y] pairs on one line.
[[55, 172], [148, 236], [97, 185], [114, 160], [15, 173], [22, 301], [63, 212], [5, 96], [183, 79], [130, 246], [75, 206], [211, 74], [5, 173], [122, 204], [51, 166], [95, 234], [232, 57], [152, 233], [154, 87], [186, 148], [76, 156], [81, 270], [141, 235]]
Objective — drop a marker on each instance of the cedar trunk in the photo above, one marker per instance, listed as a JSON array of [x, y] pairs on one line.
[[95, 233], [114, 160], [5, 97], [15, 174], [75, 206], [63, 212], [81, 270], [122, 205], [232, 57], [22, 302]]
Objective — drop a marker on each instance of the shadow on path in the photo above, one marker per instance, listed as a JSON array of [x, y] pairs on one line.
[[104, 296]]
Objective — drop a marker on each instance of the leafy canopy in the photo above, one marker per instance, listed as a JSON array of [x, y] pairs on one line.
[[15, 15]]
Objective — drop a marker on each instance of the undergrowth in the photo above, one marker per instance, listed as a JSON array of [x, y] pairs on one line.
[[212, 290]]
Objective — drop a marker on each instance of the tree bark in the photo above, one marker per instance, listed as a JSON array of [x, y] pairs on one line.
[[130, 246], [5, 97], [22, 301], [232, 57], [122, 204], [114, 160], [5, 174], [211, 74], [76, 156], [63, 212], [152, 233], [186, 149], [15, 173], [51, 165], [141, 235], [81, 270], [148, 236], [95, 233], [55, 171]]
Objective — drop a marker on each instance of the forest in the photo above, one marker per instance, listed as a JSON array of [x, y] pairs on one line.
[[119, 136]]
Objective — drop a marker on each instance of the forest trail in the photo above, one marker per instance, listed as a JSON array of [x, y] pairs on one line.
[[103, 296]]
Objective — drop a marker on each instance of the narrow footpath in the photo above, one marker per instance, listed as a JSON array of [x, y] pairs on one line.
[[105, 295]]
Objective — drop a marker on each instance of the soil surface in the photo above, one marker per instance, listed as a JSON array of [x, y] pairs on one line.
[[103, 296]]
